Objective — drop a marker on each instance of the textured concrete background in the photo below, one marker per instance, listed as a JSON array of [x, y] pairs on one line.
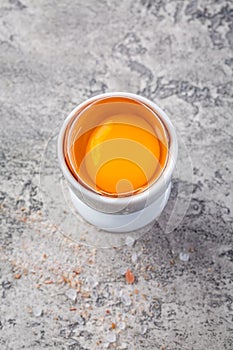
[[57, 294]]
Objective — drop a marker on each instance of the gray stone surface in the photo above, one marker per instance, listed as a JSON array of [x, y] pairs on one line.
[[55, 54]]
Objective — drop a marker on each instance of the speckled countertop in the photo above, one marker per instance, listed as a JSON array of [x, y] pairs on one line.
[[60, 294]]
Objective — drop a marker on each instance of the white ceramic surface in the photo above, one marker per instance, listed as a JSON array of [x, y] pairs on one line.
[[121, 222]]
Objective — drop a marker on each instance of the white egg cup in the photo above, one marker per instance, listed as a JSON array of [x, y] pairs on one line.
[[121, 214]]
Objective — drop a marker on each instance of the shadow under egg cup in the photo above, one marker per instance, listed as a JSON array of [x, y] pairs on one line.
[[123, 213]]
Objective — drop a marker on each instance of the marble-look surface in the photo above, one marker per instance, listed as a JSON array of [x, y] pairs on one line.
[[56, 294]]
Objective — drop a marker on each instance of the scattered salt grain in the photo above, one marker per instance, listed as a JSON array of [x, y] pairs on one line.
[[92, 282], [134, 258], [123, 270], [124, 346], [80, 320], [143, 330], [129, 241], [126, 300], [111, 337], [37, 311], [121, 325], [184, 256], [71, 294]]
